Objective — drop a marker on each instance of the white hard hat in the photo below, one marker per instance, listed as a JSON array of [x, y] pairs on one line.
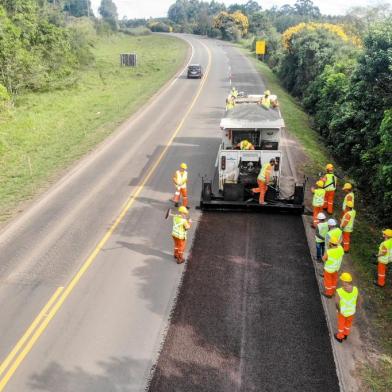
[[320, 215], [331, 222]]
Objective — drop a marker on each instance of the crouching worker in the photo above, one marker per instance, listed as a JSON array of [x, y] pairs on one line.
[[263, 180], [181, 224], [346, 299]]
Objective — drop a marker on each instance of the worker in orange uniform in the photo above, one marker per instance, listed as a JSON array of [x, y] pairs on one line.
[[330, 183], [384, 257], [180, 179], [245, 145], [263, 180], [347, 225], [181, 224], [347, 299], [349, 196], [318, 200], [332, 262]]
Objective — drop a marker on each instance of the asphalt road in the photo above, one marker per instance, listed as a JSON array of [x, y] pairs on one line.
[[104, 330]]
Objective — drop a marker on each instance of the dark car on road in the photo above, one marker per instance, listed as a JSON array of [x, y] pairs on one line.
[[195, 71]]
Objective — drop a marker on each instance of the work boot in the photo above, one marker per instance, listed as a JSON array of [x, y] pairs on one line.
[[336, 338], [378, 285], [176, 204], [180, 261]]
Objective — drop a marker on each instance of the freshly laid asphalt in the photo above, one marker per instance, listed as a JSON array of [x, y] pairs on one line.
[[249, 315]]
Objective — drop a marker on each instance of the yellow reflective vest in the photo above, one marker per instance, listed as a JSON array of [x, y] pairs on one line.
[[334, 261], [348, 301], [350, 225], [263, 172], [318, 197], [330, 182], [387, 258], [180, 179], [322, 229], [180, 227]]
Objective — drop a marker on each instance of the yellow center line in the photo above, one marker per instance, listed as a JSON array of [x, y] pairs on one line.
[[65, 293], [30, 330]]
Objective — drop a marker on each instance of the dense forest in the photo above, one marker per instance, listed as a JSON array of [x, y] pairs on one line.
[[338, 67]]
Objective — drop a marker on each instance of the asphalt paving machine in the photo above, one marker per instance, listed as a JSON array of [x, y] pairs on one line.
[[236, 170]]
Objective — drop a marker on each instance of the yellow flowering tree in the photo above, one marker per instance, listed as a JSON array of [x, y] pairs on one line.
[[232, 26], [338, 30]]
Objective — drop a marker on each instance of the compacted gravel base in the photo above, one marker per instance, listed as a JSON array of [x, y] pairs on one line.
[[249, 315]]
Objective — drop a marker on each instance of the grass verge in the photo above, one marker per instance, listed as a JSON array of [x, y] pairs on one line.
[[48, 131], [376, 375]]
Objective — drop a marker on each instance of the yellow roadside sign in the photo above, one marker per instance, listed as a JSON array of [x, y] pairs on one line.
[[260, 47]]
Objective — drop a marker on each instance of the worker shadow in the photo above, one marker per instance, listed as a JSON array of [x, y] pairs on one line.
[[114, 374], [146, 250]]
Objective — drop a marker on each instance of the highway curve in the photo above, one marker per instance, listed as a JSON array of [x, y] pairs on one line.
[[88, 280]]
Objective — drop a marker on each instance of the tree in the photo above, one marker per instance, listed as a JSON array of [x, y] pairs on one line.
[[232, 26], [108, 11], [307, 9], [78, 8]]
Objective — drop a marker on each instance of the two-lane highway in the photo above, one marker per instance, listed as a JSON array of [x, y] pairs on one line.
[[111, 299]]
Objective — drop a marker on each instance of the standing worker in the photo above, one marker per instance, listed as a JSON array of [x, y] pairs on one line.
[[318, 200], [180, 179], [348, 190], [346, 299], [384, 257], [330, 188], [181, 224], [234, 92], [265, 99], [347, 225], [333, 231], [263, 180], [230, 102], [332, 262], [321, 232]]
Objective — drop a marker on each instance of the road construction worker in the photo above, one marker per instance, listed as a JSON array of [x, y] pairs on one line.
[[181, 224], [180, 179], [349, 196], [263, 180], [384, 257], [230, 102], [318, 200], [332, 262], [321, 232], [245, 145], [265, 99], [347, 225], [333, 231], [234, 92], [330, 188], [347, 299]]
